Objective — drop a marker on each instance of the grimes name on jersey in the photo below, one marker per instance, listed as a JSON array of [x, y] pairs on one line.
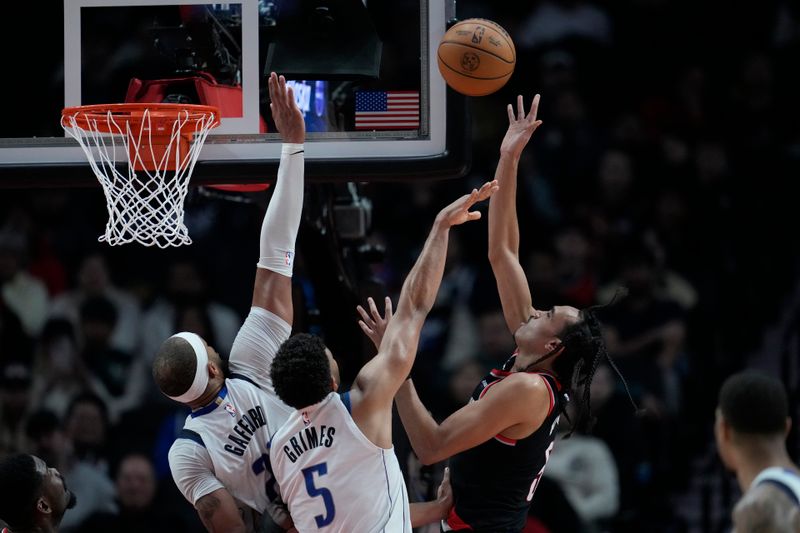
[[244, 429], [307, 439]]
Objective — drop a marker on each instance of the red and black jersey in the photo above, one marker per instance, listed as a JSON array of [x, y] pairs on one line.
[[493, 483]]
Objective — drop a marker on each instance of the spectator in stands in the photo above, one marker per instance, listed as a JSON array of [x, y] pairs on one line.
[[15, 388], [139, 508], [93, 279], [59, 371], [24, 294]]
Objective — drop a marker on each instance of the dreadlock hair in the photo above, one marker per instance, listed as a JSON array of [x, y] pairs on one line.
[[582, 351]]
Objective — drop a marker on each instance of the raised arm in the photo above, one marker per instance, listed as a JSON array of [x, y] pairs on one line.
[[273, 284], [377, 382], [512, 285]]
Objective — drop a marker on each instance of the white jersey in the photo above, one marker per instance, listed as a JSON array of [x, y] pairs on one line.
[[335, 479], [787, 480], [226, 443]]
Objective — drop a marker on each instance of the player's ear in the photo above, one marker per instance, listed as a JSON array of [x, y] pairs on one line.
[[42, 506], [334, 384]]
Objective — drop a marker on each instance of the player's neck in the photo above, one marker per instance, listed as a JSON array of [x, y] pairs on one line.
[[207, 398], [756, 458]]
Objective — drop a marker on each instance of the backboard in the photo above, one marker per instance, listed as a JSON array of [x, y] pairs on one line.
[[364, 74]]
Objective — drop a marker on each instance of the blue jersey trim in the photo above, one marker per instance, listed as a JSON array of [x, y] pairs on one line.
[[191, 435], [213, 405], [345, 396], [784, 487]]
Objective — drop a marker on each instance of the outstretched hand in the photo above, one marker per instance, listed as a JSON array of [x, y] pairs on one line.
[[520, 127], [287, 116], [373, 324], [458, 212]]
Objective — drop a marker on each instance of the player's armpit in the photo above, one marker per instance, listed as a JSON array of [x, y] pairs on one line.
[[219, 513], [765, 509]]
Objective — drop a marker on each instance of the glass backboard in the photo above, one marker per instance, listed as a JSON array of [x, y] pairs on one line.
[[364, 74]]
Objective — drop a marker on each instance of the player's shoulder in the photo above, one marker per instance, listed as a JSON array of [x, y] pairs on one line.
[[764, 507], [525, 384]]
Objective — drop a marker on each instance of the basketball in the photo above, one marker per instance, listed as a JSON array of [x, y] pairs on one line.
[[476, 57]]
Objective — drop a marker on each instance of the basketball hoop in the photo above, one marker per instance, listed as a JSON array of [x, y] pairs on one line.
[[160, 144]]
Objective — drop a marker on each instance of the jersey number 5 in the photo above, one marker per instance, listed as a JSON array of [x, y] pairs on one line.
[[330, 509]]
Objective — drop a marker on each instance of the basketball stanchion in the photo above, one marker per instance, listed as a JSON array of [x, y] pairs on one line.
[[158, 146]]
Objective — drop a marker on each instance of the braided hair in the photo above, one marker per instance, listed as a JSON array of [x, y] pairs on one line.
[[581, 352]]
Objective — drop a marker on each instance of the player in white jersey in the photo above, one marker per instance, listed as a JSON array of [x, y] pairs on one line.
[[752, 422], [221, 458], [334, 459]]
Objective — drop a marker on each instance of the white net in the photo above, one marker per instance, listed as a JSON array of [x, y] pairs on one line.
[[144, 169]]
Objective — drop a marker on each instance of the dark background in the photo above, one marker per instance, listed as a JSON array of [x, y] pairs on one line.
[[668, 151]]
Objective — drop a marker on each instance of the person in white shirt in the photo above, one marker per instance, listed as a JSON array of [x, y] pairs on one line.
[[220, 461], [333, 459]]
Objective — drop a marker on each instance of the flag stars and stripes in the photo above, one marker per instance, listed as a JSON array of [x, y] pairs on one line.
[[387, 110]]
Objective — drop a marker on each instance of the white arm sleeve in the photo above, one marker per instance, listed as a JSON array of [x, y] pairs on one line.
[[282, 219], [192, 470], [256, 344]]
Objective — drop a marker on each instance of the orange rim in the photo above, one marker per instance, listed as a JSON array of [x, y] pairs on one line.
[[162, 116]]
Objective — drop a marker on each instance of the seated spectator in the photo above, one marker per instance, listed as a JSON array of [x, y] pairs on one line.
[[59, 371], [139, 508], [15, 389], [86, 425], [586, 471], [94, 280], [25, 295], [186, 287], [123, 377]]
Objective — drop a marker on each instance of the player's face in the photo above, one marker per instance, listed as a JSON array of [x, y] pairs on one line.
[[55, 495], [540, 332]]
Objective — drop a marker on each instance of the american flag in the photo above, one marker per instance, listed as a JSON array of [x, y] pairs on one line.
[[387, 110]]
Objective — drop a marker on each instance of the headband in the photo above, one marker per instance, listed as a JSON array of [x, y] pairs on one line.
[[200, 374]]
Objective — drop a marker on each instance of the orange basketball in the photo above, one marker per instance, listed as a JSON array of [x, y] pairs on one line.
[[476, 57]]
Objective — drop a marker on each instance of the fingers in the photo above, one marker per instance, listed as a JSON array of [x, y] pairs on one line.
[[446, 476], [510, 110], [365, 328], [279, 94], [272, 88], [373, 309], [520, 108], [534, 109], [363, 313], [487, 189], [387, 310]]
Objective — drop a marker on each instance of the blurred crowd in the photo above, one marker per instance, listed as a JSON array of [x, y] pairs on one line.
[[663, 165]]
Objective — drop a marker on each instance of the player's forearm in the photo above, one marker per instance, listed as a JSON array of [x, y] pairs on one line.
[[422, 283], [420, 426], [503, 226], [282, 219], [423, 513]]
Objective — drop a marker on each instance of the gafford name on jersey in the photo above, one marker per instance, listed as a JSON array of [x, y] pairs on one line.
[[307, 439], [243, 430]]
